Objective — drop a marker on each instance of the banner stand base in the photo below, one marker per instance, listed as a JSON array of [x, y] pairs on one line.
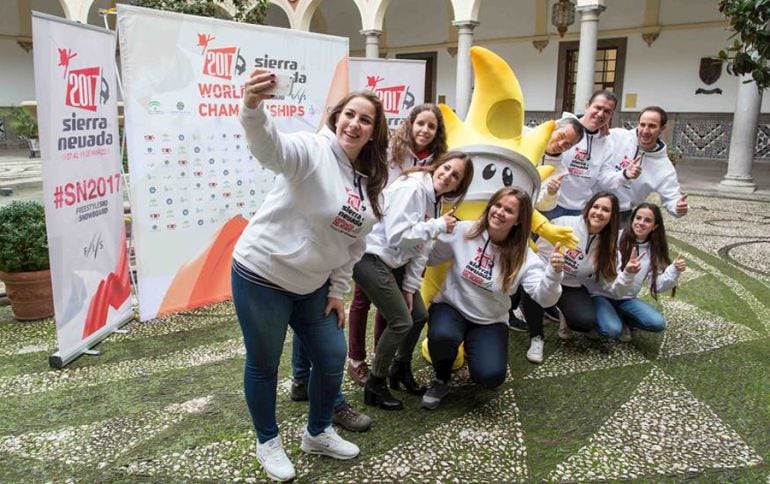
[[57, 361]]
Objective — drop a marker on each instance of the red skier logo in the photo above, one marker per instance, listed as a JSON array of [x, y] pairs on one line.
[[482, 259], [65, 56], [354, 201], [392, 97], [83, 84], [220, 62]]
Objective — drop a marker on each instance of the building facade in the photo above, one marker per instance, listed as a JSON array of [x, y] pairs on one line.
[[649, 52]]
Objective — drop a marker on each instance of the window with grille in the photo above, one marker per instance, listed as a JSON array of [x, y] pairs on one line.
[[608, 70]]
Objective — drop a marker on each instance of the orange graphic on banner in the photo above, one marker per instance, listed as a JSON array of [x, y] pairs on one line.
[[206, 278], [112, 291], [338, 88]]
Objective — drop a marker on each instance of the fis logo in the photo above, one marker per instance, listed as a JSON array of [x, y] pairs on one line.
[[394, 98], [93, 248], [222, 62]]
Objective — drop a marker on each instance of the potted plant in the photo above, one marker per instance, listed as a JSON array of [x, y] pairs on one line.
[[24, 266], [25, 127]]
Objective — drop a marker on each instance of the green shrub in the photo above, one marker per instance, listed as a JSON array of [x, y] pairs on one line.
[[23, 242], [22, 123]]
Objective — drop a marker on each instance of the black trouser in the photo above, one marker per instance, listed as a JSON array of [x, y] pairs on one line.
[[521, 298], [575, 303]]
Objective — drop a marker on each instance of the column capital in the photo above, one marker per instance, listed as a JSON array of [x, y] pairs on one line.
[[468, 24], [590, 10], [369, 32]]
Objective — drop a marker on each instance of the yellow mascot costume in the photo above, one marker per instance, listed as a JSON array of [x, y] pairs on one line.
[[503, 155]]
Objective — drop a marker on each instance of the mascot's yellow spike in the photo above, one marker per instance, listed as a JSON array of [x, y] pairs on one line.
[[492, 135], [498, 109], [533, 143]]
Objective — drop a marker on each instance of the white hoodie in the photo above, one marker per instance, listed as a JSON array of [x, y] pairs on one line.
[[579, 262], [658, 173], [586, 164], [666, 279], [410, 160], [410, 223], [312, 224], [473, 285]]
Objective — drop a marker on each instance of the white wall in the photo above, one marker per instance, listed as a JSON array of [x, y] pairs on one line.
[[658, 77], [17, 79]]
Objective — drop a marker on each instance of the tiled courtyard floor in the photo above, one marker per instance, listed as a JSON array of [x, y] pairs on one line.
[[163, 402]]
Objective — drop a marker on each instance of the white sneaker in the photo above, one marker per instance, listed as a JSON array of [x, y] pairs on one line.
[[274, 460], [625, 334], [564, 332], [329, 443], [535, 353]]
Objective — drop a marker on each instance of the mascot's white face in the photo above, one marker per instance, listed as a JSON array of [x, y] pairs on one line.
[[495, 167]]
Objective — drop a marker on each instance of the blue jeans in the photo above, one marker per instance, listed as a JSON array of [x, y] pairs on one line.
[[300, 368], [264, 315], [560, 211], [486, 345], [612, 313]]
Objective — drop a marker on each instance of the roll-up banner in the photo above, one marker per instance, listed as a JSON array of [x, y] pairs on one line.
[[75, 85], [399, 83], [194, 184]]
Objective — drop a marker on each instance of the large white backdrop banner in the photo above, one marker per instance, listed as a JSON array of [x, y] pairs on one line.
[[399, 83], [194, 184], [75, 84]]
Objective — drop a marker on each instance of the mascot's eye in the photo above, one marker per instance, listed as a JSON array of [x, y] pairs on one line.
[[507, 177], [489, 171]]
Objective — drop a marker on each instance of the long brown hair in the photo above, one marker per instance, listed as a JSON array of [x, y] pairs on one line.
[[373, 159], [457, 195], [659, 257], [403, 138], [513, 250], [606, 264]]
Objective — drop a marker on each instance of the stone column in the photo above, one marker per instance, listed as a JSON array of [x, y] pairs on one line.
[[589, 28], [372, 43], [464, 69], [743, 139]]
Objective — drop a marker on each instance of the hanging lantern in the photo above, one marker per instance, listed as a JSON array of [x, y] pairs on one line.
[[563, 15]]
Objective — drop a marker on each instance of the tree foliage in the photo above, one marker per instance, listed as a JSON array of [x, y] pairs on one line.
[[750, 48], [246, 11]]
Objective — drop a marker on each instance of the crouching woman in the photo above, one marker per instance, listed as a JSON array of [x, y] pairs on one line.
[[492, 259]]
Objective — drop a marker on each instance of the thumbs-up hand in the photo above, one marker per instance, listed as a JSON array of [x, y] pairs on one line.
[[554, 184], [450, 219], [680, 264], [681, 205], [634, 263], [557, 258], [634, 169]]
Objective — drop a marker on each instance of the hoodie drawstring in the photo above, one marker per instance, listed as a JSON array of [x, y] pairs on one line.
[[484, 250], [357, 184]]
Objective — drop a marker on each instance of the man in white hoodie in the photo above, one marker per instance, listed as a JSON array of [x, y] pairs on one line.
[[589, 162], [641, 157]]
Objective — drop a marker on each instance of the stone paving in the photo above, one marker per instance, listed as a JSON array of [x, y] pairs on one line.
[[662, 430]]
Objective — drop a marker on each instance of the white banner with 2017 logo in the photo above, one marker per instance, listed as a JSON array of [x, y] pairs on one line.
[[399, 83], [194, 184], [76, 90]]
